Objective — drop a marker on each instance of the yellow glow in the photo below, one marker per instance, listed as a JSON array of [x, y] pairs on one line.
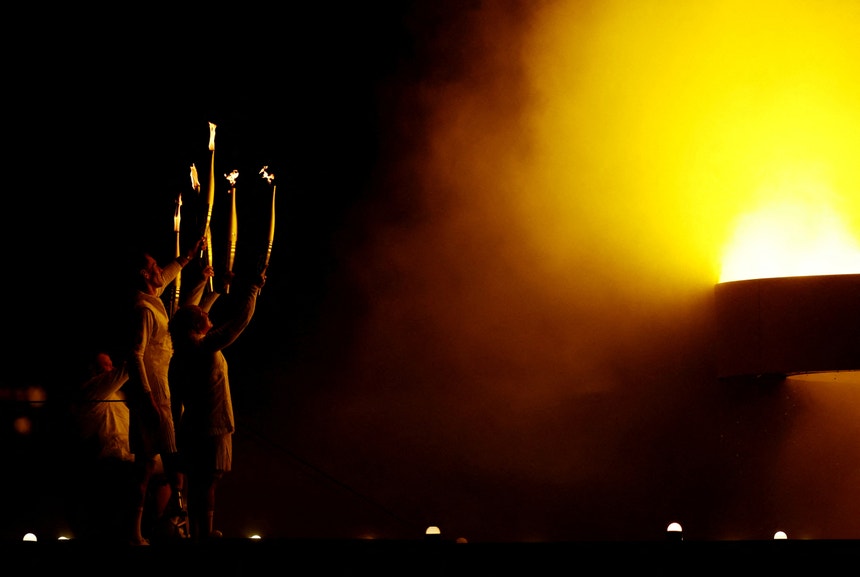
[[790, 239], [590, 170], [696, 139]]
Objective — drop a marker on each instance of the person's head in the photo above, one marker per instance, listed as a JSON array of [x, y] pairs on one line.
[[150, 273], [101, 363], [188, 321]]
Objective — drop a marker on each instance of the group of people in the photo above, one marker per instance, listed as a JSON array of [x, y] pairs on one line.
[[156, 416]]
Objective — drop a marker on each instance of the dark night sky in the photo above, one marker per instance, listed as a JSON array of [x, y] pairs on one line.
[[103, 136], [489, 301]]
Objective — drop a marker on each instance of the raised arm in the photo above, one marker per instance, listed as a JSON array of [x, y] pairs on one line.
[[195, 294], [242, 311]]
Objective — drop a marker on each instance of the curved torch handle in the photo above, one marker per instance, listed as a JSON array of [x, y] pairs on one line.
[[231, 255], [269, 177], [177, 282]]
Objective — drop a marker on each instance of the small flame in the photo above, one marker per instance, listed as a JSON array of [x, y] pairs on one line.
[[232, 177], [266, 176], [176, 213], [211, 136], [195, 183]]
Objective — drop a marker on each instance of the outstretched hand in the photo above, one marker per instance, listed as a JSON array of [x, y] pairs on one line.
[[200, 245], [198, 248], [226, 280]]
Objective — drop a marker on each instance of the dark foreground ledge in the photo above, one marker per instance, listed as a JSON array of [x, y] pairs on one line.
[[246, 557]]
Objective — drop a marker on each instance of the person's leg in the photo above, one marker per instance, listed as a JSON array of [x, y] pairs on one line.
[[196, 506], [212, 484], [175, 479], [220, 463], [143, 470]]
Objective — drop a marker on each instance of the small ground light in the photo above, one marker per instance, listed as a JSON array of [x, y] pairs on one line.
[[674, 532], [780, 535], [432, 533], [255, 537], [30, 537]]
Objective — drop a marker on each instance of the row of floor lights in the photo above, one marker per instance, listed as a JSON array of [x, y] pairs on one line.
[[674, 532], [432, 533]]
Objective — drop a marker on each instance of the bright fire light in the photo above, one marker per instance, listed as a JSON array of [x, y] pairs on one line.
[[685, 140], [790, 239]]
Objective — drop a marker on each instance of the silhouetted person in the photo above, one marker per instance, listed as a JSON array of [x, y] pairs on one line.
[[202, 404], [103, 463], [152, 432]]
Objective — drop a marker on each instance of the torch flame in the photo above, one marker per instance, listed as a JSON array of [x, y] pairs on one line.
[[266, 176], [195, 182], [176, 213], [211, 136]]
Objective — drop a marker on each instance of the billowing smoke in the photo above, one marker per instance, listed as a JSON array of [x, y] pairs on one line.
[[523, 318]]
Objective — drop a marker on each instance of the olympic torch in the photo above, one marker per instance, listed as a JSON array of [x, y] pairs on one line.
[[177, 216], [231, 255], [210, 201], [269, 178]]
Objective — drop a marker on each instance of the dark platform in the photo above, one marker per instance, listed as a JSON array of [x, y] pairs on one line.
[[229, 557]]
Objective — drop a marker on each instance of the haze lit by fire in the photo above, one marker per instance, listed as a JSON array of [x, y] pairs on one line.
[[568, 182], [587, 171], [586, 167], [718, 137]]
